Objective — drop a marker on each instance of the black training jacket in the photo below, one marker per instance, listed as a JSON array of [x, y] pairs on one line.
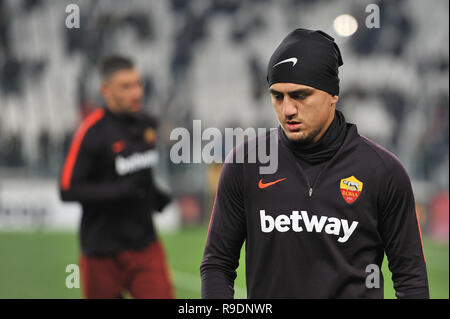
[[108, 170], [324, 240]]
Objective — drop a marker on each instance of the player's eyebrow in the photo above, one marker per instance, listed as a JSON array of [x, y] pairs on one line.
[[274, 92], [302, 92], [296, 92]]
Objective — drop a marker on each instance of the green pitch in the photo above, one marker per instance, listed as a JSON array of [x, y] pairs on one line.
[[33, 264]]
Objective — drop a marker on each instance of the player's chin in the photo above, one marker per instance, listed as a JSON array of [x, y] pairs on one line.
[[301, 138], [135, 107], [295, 135]]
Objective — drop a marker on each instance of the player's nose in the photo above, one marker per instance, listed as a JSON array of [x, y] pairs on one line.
[[138, 92], [289, 108]]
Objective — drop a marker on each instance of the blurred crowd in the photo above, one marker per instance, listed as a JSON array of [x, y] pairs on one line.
[[207, 60]]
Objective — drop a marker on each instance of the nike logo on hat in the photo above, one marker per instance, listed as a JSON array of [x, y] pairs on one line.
[[293, 60]]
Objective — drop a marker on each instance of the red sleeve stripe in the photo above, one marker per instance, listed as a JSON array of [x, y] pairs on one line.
[[420, 233], [90, 120]]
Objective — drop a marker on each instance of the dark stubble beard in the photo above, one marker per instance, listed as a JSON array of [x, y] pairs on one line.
[[307, 140], [124, 111]]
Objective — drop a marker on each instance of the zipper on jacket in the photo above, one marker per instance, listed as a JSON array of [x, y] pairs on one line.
[[315, 181], [330, 161], [310, 189]]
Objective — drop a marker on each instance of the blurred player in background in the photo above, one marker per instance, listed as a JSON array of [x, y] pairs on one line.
[[319, 226], [108, 169]]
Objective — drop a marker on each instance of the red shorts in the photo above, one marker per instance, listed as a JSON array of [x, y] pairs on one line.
[[143, 273]]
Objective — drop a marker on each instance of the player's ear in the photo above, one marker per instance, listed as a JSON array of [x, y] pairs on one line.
[[104, 89], [334, 99]]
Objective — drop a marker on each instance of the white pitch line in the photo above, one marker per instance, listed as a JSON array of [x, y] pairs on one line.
[[193, 283]]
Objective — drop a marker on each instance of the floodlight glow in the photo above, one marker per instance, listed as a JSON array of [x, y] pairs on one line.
[[345, 25]]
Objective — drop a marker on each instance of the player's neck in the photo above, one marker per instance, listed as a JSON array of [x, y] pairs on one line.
[[325, 147]]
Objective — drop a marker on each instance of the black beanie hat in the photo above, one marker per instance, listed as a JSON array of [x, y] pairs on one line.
[[307, 57]]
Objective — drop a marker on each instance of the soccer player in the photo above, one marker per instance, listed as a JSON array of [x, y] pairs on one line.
[[108, 170], [320, 226]]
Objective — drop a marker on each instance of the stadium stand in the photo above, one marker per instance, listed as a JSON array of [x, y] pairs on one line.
[[207, 60]]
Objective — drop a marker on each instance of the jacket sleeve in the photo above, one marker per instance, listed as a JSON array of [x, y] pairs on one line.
[[400, 232], [226, 234], [82, 160]]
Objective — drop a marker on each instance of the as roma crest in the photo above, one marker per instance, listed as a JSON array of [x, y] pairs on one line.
[[351, 187]]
